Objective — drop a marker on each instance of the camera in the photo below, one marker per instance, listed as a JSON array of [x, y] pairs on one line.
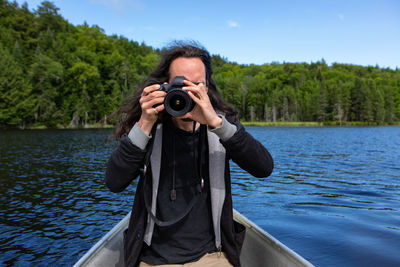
[[177, 102]]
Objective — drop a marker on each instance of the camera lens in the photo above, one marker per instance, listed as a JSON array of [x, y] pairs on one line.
[[178, 102]]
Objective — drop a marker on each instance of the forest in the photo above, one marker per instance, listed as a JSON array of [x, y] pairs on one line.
[[55, 74]]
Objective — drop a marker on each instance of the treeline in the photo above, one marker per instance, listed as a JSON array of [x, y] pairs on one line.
[[55, 74], [311, 92]]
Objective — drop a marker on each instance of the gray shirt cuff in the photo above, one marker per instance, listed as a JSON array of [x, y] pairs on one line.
[[226, 130], [138, 137]]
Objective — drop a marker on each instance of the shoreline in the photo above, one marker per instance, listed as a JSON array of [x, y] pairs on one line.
[[316, 124], [60, 127], [245, 123]]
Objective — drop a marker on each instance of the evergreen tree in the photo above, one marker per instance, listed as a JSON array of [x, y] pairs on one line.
[[46, 76], [16, 102], [52, 72]]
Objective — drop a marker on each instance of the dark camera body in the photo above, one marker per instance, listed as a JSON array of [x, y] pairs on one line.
[[177, 102]]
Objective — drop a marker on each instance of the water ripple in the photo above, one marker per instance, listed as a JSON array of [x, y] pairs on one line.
[[334, 196], [350, 174]]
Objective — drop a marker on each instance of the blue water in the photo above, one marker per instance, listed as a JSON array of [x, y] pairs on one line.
[[334, 196]]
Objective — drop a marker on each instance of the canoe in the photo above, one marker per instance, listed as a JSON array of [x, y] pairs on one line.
[[259, 248]]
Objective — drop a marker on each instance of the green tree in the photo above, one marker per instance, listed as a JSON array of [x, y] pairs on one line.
[[82, 86], [53, 72], [16, 103], [48, 17], [46, 76]]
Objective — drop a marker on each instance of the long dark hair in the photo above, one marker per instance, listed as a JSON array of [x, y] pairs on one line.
[[130, 113]]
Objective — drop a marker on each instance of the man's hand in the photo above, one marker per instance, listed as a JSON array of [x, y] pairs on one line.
[[150, 97], [203, 112]]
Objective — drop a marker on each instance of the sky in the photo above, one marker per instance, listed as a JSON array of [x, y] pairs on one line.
[[356, 32]]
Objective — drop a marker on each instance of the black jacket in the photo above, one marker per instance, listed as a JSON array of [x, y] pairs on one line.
[[126, 161]]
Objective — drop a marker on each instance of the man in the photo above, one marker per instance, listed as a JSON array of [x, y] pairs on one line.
[[182, 211]]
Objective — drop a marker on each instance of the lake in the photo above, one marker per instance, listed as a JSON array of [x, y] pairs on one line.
[[334, 195]]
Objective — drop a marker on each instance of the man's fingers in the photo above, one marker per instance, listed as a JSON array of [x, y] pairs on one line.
[[152, 102], [194, 98], [155, 94], [152, 95], [156, 109], [186, 82], [160, 108], [147, 90], [196, 91]]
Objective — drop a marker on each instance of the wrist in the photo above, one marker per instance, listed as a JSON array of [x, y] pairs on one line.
[[138, 137], [216, 122], [146, 126], [226, 130]]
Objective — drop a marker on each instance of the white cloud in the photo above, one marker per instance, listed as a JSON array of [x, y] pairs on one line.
[[232, 24]]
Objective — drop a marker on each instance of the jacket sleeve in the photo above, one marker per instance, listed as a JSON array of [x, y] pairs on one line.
[[123, 165], [248, 153]]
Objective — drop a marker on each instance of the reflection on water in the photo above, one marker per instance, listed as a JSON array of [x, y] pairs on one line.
[[334, 196]]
